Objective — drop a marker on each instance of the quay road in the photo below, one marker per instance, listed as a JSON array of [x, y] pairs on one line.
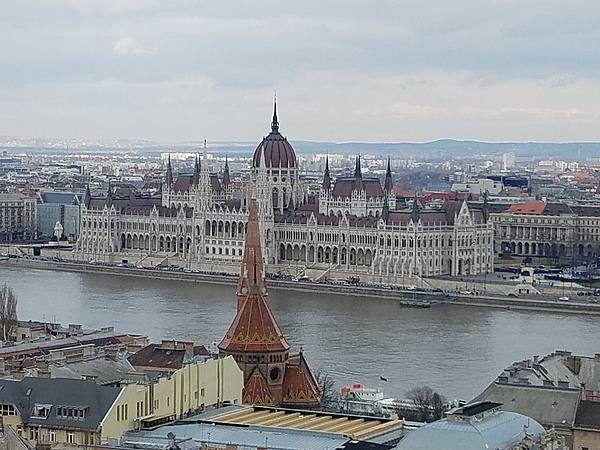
[[338, 288]]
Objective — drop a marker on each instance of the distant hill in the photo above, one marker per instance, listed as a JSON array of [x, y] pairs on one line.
[[439, 148]]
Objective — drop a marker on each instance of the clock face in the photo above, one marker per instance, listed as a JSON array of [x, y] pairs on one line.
[[244, 290]]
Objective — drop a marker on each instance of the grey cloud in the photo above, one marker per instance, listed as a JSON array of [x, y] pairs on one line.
[[395, 68]]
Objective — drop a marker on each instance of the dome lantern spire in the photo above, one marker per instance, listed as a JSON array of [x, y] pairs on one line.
[[275, 122]]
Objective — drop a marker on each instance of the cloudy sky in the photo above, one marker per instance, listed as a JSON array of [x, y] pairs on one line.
[[371, 70]]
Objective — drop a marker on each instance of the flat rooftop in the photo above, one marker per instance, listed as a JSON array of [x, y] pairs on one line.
[[352, 427]]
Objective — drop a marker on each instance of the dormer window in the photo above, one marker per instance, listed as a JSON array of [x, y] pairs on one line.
[[41, 411]]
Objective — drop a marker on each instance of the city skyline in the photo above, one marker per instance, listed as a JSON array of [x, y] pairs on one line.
[[343, 71]]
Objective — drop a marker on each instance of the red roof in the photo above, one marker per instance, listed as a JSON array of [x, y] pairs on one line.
[[536, 207]]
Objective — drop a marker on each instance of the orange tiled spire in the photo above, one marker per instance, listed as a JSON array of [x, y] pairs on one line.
[[254, 328], [252, 279]]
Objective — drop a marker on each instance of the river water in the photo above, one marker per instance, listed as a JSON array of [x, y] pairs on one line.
[[456, 349]]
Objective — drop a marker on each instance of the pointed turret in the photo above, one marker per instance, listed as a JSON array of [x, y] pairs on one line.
[[326, 176], [109, 195], [169, 172], [389, 184], [87, 197], [226, 179], [416, 210], [196, 178], [357, 169]]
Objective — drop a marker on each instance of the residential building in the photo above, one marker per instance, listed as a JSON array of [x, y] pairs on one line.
[[17, 217], [561, 391], [63, 412]]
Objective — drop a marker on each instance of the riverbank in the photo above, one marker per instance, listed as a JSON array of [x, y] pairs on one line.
[[316, 288]]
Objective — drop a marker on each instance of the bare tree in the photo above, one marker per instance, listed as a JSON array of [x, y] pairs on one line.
[[8, 313], [329, 394], [429, 404]]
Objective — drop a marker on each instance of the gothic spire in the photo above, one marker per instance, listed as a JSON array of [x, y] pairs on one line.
[[169, 172], [226, 179], [275, 122], [357, 169], [109, 195], [196, 171], [252, 273], [388, 185], [326, 176], [87, 197]]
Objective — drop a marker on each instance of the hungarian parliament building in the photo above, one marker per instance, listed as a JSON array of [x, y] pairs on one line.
[[354, 227]]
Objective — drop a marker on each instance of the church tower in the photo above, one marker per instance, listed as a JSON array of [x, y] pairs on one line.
[[271, 375]]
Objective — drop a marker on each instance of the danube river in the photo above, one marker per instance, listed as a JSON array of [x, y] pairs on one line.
[[455, 349]]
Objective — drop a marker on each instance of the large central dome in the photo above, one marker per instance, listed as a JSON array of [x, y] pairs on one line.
[[278, 152]]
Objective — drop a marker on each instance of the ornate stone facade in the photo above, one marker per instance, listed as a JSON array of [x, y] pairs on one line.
[[550, 230], [353, 227]]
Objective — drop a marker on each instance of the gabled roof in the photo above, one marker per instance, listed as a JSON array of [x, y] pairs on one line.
[[300, 389], [256, 391], [96, 400]]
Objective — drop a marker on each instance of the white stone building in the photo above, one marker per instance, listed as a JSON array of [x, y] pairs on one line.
[[353, 227]]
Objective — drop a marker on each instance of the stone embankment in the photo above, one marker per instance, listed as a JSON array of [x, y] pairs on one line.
[[491, 298]]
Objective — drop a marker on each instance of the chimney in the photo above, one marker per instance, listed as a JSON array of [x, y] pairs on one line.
[[536, 359], [503, 379]]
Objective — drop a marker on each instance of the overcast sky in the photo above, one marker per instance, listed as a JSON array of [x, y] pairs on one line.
[[371, 70]]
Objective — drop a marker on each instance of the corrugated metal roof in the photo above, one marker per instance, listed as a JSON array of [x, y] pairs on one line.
[[246, 438]]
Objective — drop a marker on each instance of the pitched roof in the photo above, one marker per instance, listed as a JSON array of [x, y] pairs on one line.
[[528, 208], [546, 405], [588, 415], [344, 186], [101, 370], [300, 389], [153, 356], [96, 400], [256, 391]]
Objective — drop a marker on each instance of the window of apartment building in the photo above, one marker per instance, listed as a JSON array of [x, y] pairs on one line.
[[202, 392], [70, 438], [52, 436], [7, 410]]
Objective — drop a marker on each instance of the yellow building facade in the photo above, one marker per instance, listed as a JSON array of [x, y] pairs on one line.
[[191, 389]]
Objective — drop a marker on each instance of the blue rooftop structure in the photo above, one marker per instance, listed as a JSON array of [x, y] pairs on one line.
[[480, 426]]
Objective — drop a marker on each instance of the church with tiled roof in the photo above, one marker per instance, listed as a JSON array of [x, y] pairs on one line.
[[272, 376]]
